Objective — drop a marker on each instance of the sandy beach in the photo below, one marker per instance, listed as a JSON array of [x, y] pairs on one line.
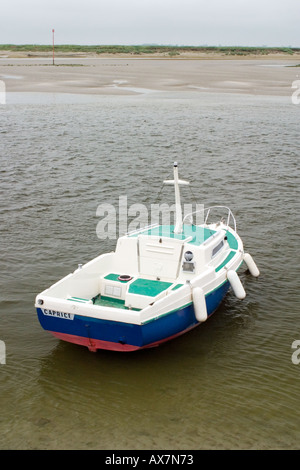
[[125, 75]]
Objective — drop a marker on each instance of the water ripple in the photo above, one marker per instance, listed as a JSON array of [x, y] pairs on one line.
[[228, 384]]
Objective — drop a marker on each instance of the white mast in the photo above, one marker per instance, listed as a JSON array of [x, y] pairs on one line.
[[178, 211]]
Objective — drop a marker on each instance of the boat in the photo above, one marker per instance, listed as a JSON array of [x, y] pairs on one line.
[[160, 282]]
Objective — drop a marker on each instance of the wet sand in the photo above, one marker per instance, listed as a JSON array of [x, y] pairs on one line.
[[123, 75]]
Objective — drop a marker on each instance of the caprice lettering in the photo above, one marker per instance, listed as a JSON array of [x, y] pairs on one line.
[[54, 313]]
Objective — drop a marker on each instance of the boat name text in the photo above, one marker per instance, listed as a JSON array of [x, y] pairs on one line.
[[54, 313]]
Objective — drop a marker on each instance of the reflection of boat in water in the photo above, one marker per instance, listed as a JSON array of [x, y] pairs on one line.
[[160, 282]]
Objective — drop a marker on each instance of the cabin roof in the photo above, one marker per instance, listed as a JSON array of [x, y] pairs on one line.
[[196, 234]]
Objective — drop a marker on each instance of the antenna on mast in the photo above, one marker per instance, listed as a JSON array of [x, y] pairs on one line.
[[178, 211], [53, 46]]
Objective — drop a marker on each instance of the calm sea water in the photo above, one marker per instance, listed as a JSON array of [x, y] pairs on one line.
[[229, 384]]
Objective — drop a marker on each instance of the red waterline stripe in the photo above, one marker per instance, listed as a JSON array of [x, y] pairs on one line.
[[94, 344]]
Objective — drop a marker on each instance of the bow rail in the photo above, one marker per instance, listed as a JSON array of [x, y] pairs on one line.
[[227, 218]]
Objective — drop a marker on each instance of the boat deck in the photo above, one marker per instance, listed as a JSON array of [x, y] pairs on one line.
[[140, 286], [196, 234]]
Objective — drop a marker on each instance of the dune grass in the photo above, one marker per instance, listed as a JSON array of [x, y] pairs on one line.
[[148, 49]]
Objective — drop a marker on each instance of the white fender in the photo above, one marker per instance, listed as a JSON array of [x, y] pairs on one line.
[[236, 284], [251, 265], [199, 304]]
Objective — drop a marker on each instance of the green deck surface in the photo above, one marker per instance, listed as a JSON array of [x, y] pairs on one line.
[[148, 287], [104, 301], [79, 299], [109, 302], [177, 286], [198, 234], [114, 277], [232, 241], [226, 260]]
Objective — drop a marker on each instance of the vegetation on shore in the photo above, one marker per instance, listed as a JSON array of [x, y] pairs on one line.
[[149, 49]]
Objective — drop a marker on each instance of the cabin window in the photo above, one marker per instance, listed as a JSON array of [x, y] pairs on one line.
[[217, 248]]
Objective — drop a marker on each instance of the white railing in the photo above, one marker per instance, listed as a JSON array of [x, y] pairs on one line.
[[228, 217]]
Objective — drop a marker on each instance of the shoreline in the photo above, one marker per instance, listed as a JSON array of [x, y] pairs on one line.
[[112, 74], [166, 55]]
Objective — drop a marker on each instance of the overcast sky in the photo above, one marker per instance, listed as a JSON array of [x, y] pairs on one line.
[[176, 22]]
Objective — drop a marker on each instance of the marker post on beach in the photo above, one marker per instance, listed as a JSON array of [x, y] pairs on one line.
[[53, 44]]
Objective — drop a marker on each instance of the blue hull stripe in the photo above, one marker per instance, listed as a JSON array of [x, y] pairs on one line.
[[137, 335]]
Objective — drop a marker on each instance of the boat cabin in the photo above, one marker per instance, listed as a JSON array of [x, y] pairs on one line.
[[150, 263]]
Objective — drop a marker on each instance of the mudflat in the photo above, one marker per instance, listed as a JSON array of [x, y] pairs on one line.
[[271, 75]]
